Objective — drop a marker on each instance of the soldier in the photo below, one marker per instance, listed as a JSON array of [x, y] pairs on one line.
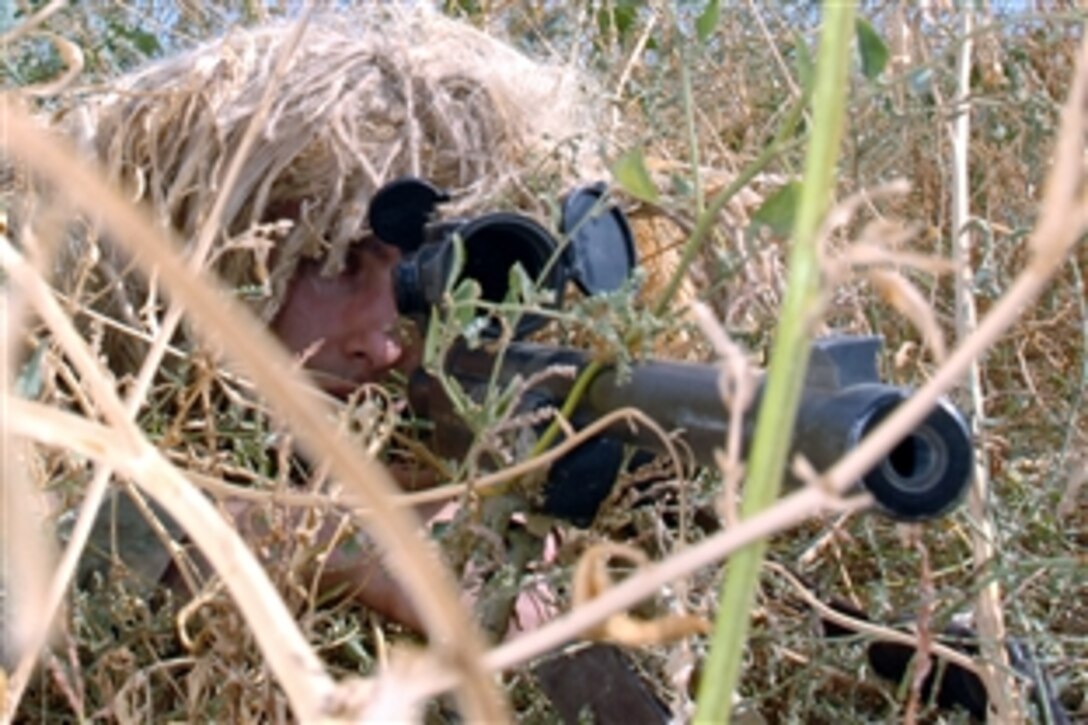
[[403, 92]]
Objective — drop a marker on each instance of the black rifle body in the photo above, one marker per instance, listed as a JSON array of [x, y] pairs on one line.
[[924, 476]]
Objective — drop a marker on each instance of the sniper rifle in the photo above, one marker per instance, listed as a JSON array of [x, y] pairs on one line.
[[924, 476]]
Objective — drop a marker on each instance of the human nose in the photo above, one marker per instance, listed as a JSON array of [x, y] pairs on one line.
[[380, 348]]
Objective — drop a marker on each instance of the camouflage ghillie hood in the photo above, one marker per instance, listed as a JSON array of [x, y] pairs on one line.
[[367, 97]]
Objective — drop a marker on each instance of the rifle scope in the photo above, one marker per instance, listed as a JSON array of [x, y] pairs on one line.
[[598, 252], [924, 476], [492, 244]]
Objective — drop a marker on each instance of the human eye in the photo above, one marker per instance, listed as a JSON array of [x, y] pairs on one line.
[[384, 253], [353, 259]]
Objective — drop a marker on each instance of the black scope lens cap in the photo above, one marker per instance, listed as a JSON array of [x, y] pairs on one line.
[[400, 211], [601, 251]]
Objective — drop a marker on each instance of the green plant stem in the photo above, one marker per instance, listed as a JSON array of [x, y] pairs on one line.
[[789, 358], [703, 224], [581, 385], [693, 137], [709, 216]]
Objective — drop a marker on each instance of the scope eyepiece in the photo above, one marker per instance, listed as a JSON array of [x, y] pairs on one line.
[[492, 244], [599, 254]]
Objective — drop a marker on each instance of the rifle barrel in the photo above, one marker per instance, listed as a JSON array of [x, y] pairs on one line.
[[924, 476]]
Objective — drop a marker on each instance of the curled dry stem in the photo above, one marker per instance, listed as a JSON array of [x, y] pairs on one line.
[[592, 578], [788, 513], [71, 54]]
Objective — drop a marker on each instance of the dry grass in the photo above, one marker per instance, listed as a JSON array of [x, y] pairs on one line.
[[119, 655]]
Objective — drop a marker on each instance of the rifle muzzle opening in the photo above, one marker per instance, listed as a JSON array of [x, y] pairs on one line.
[[926, 473]]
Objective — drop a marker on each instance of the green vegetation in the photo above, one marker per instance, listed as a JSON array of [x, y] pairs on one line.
[[703, 94]]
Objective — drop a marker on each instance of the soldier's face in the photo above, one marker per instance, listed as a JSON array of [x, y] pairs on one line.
[[347, 326]]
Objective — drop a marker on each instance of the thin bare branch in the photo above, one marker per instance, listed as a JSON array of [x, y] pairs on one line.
[[430, 586]]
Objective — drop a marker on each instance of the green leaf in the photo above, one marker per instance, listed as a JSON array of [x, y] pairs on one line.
[[474, 330], [144, 41], [779, 210], [519, 285], [873, 49], [630, 172], [707, 21], [619, 17], [465, 302], [457, 262], [432, 345]]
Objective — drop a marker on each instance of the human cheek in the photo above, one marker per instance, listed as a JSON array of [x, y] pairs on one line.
[[307, 318], [377, 293], [291, 324]]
